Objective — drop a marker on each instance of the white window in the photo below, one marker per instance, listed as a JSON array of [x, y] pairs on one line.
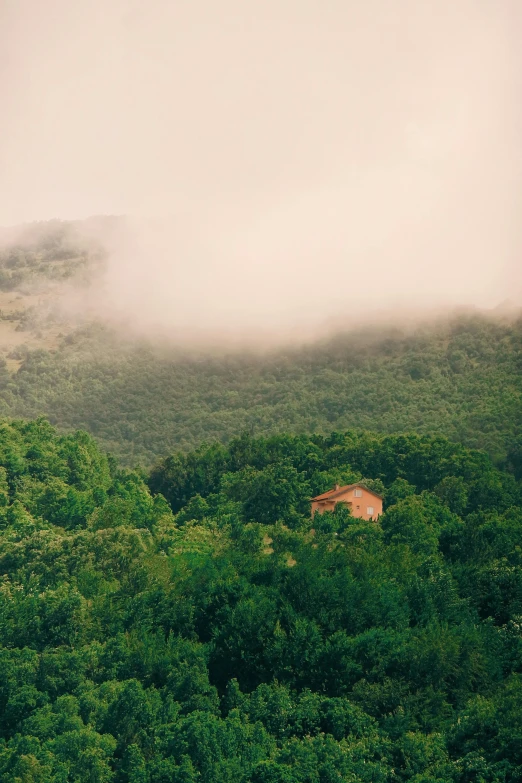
[[357, 493], [369, 510]]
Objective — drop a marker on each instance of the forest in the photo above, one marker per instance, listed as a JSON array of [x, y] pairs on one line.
[[169, 610], [461, 378], [193, 623]]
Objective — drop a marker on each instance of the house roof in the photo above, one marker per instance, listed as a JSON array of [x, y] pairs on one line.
[[333, 493]]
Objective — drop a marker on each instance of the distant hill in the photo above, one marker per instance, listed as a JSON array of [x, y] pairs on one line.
[[460, 378], [39, 263]]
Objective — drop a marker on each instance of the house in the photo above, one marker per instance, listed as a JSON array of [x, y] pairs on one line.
[[363, 502]]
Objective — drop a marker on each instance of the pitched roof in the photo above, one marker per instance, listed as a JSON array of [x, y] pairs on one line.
[[333, 493]]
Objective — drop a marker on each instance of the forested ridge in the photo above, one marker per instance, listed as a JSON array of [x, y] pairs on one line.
[[460, 377], [196, 625]]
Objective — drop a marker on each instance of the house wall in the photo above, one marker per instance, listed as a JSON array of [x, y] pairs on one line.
[[322, 505], [359, 506]]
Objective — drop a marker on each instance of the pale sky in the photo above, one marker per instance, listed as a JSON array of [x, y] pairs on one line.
[[288, 144]]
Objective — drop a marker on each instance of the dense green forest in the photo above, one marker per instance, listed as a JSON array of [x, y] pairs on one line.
[[215, 633], [461, 378], [181, 618]]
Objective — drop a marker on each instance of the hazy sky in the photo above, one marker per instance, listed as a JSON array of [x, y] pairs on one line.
[[355, 152]]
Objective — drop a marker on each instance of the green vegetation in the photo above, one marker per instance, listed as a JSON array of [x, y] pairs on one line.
[[51, 251], [39, 264], [192, 623], [215, 633], [462, 379]]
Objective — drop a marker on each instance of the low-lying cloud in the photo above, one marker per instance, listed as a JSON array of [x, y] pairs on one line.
[[284, 164]]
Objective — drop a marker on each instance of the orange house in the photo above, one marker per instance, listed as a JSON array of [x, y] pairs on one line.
[[362, 501]]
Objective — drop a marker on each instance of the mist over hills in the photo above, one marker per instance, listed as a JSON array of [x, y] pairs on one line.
[[154, 279], [144, 393]]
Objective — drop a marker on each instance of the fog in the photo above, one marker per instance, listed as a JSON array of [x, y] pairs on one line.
[[283, 163]]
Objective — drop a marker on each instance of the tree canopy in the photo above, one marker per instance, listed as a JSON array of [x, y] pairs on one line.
[[196, 624], [460, 378]]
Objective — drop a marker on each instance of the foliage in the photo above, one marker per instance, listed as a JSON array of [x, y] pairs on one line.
[[460, 378], [223, 636]]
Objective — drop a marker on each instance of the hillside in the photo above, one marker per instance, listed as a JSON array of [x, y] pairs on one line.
[[233, 641], [461, 378], [191, 622], [40, 263]]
